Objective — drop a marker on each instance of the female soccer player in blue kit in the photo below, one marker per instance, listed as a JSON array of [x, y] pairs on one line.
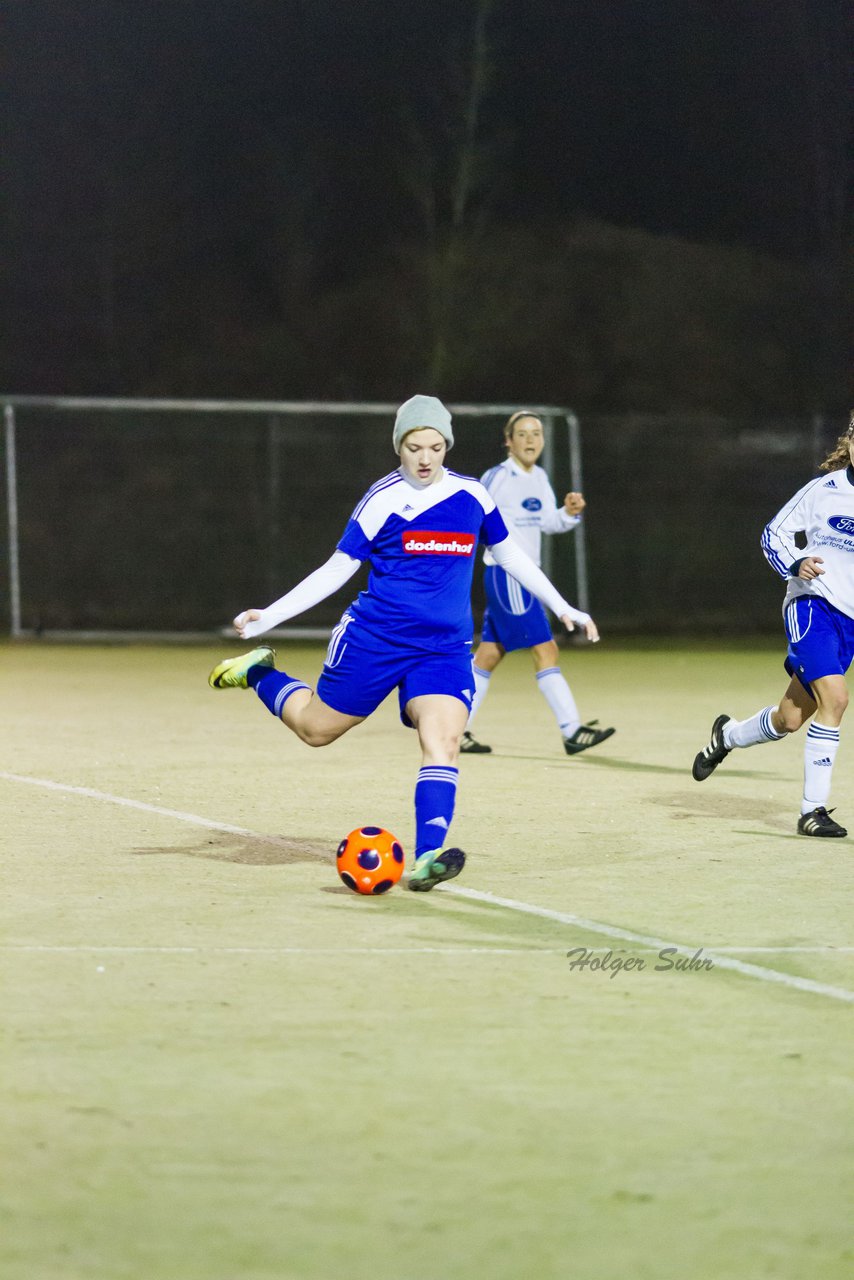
[[818, 615], [411, 629]]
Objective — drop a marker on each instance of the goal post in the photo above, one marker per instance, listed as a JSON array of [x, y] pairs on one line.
[[143, 517]]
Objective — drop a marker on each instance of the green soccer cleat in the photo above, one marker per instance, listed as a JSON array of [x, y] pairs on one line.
[[434, 867], [232, 672]]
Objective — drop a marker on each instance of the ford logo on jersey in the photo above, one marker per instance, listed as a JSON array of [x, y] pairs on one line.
[[842, 524], [532, 504], [436, 542]]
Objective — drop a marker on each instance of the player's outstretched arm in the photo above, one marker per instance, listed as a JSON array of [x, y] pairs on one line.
[[326, 580], [590, 628], [555, 519], [514, 561]]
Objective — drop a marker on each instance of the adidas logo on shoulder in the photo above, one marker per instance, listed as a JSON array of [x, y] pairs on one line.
[[408, 507], [829, 484]]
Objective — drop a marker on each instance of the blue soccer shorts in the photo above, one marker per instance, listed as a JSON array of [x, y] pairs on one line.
[[821, 639], [513, 617], [362, 669]]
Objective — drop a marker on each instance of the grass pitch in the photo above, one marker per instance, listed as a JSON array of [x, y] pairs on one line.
[[222, 1065]]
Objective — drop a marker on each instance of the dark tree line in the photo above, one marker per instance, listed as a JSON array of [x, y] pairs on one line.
[[619, 206]]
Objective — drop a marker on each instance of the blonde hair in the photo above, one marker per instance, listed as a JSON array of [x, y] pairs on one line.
[[514, 418], [840, 455]]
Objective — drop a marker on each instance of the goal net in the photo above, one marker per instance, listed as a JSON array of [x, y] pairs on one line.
[[170, 516]]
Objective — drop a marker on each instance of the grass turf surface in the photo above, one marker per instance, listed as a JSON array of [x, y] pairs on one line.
[[221, 1065]]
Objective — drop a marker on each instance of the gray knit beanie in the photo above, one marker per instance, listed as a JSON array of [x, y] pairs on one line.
[[419, 412]]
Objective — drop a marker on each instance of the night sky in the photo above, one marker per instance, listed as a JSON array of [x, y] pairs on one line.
[[234, 178]]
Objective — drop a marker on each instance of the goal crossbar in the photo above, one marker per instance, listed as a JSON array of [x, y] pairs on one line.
[[552, 414]]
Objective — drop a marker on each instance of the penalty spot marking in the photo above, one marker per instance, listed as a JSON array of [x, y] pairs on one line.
[[720, 960]]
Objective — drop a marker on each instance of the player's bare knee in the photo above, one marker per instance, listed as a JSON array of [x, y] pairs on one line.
[[788, 719], [441, 747], [488, 655], [545, 655], [834, 706]]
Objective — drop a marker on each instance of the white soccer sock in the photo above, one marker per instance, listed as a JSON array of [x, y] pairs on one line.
[[748, 733], [558, 695], [819, 754], [481, 687]]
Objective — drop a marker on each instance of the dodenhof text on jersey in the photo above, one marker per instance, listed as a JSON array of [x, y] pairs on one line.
[[421, 542]]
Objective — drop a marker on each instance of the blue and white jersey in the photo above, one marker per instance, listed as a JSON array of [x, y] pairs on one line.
[[421, 545], [824, 511], [527, 502]]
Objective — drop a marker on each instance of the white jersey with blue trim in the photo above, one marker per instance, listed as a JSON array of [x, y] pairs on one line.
[[527, 502], [824, 511], [421, 541]]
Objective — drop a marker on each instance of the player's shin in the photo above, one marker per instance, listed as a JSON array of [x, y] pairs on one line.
[[749, 733], [274, 688], [820, 749], [481, 688], [558, 695], [435, 795]]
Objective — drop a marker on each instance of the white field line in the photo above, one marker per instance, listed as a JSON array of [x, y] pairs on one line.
[[192, 818], [33, 948], [42, 949], [719, 959]]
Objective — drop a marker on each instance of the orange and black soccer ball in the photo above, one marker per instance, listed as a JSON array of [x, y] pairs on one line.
[[370, 860]]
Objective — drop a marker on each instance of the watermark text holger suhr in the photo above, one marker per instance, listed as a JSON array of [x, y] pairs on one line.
[[614, 962]]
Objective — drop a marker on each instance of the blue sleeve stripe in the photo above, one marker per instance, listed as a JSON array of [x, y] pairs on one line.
[[776, 561], [772, 557], [394, 478], [773, 527]]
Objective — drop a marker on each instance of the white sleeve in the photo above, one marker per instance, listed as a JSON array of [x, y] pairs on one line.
[[778, 538], [555, 518], [513, 560], [339, 568]]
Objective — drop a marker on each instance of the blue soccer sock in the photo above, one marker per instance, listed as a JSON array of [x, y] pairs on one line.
[[435, 793], [273, 687]]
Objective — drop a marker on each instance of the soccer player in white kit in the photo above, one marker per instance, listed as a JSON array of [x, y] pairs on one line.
[[818, 616], [514, 619], [410, 629]]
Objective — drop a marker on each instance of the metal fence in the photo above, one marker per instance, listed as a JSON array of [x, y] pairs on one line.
[[677, 507], [168, 516], [127, 516]]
